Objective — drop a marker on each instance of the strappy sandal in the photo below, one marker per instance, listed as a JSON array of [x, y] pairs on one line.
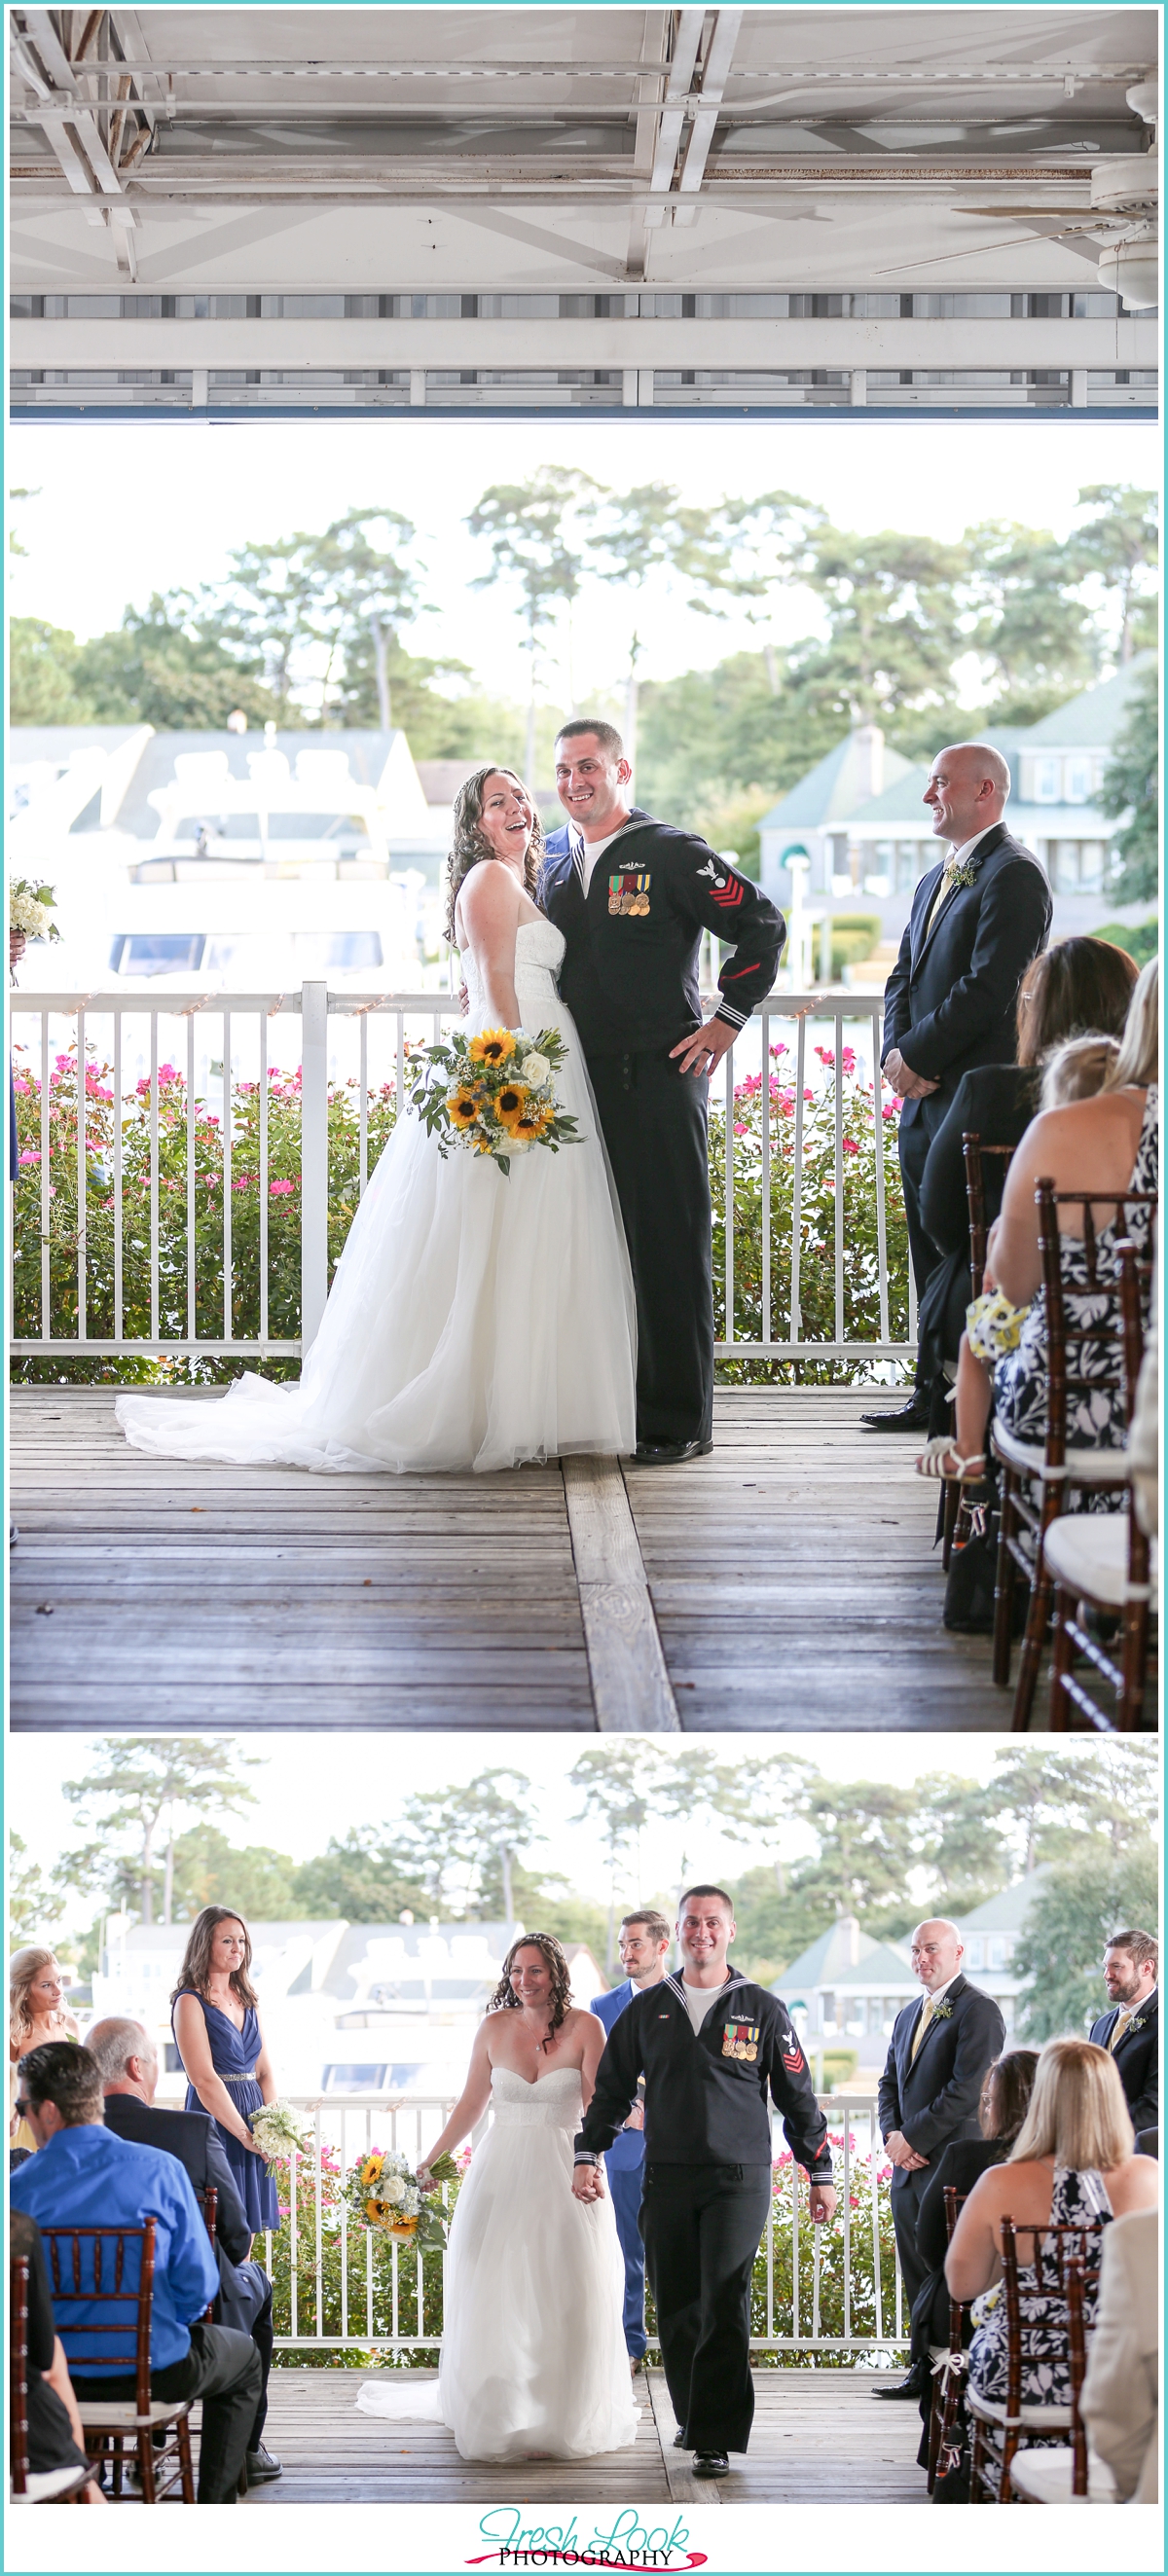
[[966, 1471]]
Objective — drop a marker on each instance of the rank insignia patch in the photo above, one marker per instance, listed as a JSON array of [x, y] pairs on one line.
[[793, 2056], [629, 891], [740, 2039]]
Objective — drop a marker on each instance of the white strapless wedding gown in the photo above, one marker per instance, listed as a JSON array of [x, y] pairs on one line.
[[474, 1320], [533, 2350]]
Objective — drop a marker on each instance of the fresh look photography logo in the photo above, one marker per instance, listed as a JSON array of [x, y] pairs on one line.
[[628, 2543]]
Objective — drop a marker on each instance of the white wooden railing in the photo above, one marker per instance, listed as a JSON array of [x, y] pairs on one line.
[[338, 1031], [845, 2258]]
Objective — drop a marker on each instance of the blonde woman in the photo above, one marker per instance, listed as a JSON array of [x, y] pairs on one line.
[[217, 2032], [476, 1320], [36, 2012], [1072, 2164]]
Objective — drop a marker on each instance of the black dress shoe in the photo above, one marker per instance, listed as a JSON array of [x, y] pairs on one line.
[[912, 1416], [711, 2464], [679, 2441], [670, 1453], [912, 2387], [263, 2464]]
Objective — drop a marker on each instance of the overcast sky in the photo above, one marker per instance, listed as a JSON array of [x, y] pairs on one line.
[[177, 497], [311, 1787]]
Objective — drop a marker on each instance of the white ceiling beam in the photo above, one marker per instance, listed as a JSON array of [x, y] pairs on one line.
[[44, 35], [715, 72], [68, 152], [677, 90]]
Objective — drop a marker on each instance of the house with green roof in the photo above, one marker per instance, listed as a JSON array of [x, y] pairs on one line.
[[870, 852]]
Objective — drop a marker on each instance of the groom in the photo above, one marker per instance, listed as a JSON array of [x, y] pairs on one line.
[[710, 2045], [633, 927]]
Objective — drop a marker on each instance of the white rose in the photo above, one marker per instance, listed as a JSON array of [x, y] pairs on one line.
[[518, 1145], [393, 2190], [536, 1070]]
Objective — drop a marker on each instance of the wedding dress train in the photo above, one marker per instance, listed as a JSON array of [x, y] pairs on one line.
[[475, 1320], [533, 2350]]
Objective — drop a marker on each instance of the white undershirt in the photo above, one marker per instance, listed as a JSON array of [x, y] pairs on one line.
[[699, 2000], [592, 851]]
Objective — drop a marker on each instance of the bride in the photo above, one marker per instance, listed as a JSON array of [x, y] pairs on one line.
[[475, 1320], [533, 2362]]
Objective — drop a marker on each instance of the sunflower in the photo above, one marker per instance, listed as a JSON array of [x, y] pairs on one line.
[[464, 1107], [492, 1046], [371, 2170], [510, 1104], [531, 1124]]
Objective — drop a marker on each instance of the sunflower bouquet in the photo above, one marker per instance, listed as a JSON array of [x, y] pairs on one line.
[[382, 2190], [494, 1093]]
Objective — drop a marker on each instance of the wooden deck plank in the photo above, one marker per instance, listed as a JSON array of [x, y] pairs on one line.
[[814, 2432], [792, 1584]]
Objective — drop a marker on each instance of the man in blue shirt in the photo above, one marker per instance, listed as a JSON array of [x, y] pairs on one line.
[[83, 2176], [644, 1942]]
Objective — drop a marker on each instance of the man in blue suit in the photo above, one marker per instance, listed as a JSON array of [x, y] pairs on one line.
[[644, 1943]]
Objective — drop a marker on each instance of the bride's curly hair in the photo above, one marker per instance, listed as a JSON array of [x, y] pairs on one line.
[[505, 1998], [470, 842]]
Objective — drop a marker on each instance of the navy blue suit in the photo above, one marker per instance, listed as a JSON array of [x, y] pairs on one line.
[[624, 2163]]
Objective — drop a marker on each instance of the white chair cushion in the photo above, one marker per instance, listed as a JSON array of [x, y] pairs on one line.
[[1037, 2419], [1087, 1552], [123, 2417], [44, 2484], [1044, 2477], [1083, 1466]]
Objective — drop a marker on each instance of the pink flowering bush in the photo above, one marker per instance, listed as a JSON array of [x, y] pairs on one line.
[[209, 1194], [817, 1217]]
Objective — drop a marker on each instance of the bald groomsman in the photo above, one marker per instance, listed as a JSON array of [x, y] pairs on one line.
[[930, 2089], [951, 998], [1130, 2031]]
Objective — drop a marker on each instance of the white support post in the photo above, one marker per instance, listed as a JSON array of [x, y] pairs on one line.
[[417, 388], [1078, 388], [859, 386], [313, 1161], [645, 388], [629, 388], [199, 388]]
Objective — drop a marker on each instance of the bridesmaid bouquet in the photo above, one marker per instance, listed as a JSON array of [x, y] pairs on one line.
[[494, 1093], [277, 2129], [30, 901], [382, 2190]]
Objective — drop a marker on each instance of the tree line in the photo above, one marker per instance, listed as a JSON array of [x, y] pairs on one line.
[[310, 630], [154, 1809]]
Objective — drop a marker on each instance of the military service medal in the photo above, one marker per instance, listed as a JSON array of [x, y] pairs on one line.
[[740, 2039], [629, 891]]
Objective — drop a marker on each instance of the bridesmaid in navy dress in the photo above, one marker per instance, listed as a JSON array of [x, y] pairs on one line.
[[218, 2036]]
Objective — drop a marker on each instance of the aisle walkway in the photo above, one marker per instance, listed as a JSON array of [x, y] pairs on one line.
[[816, 2433], [786, 1582]]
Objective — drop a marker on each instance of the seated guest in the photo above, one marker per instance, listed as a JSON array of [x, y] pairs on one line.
[[55, 2439], [1005, 2099], [1080, 985], [1130, 2030], [1073, 2164], [1076, 1071], [83, 2176], [1110, 1143], [128, 2062], [1120, 2403]]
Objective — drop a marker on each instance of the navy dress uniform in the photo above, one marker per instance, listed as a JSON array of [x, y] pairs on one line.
[[707, 2178], [624, 2165], [630, 980]]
